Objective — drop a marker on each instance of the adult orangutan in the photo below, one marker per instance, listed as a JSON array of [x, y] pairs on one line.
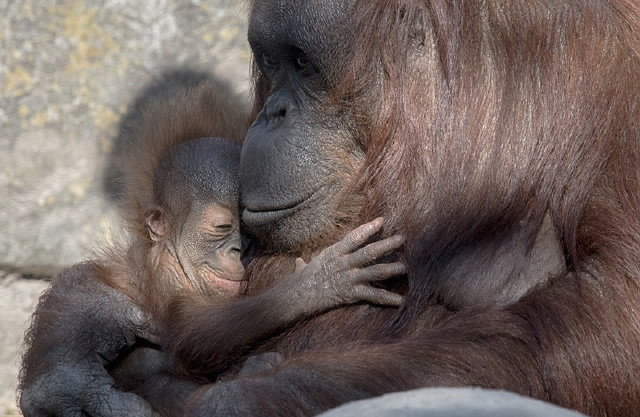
[[503, 139]]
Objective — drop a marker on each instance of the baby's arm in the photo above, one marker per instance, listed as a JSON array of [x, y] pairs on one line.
[[206, 336]]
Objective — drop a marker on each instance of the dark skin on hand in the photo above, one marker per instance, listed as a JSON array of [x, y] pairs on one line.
[[95, 346]]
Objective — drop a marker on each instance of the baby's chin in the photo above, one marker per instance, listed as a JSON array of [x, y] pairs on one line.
[[226, 286], [222, 286]]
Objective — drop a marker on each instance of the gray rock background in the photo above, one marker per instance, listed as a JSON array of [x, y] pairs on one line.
[[70, 72], [450, 402]]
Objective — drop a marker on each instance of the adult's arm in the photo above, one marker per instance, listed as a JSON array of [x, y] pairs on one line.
[[80, 325], [560, 344]]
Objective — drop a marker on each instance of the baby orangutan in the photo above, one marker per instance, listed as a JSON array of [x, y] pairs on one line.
[[97, 323]]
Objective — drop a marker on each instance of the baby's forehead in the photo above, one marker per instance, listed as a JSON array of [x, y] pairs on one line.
[[215, 214], [209, 217], [221, 191]]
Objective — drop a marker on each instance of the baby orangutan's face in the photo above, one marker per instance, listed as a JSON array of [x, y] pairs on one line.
[[208, 248]]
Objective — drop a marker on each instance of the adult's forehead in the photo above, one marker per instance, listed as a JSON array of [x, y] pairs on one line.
[[311, 25]]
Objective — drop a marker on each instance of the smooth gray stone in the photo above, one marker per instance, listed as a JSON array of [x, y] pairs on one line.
[[450, 402]]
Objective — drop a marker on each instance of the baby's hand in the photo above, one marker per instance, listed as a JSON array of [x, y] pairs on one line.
[[340, 274]]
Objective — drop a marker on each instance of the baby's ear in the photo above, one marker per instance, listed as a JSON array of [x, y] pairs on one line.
[[157, 223]]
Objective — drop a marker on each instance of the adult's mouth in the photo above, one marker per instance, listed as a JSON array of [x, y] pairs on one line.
[[257, 217], [255, 214]]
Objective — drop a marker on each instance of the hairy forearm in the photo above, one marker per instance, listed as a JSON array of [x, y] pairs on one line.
[[311, 383], [78, 318], [529, 348], [206, 336], [79, 326]]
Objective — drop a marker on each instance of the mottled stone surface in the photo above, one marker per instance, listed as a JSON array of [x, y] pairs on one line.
[[18, 297], [70, 73]]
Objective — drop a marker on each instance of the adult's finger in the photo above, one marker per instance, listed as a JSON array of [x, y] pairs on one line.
[[358, 236], [380, 272], [375, 250], [378, 296]]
